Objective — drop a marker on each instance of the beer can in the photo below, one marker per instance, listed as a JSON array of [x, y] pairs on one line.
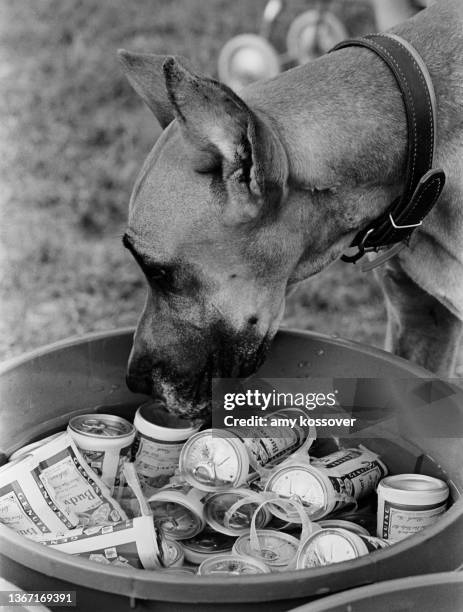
[[231, 512], [327, 484], [52, 489], [30, 448], [178, 510], [269, 445], [205, 545], [216, 459], [234, 565], [133, 542], [276, 548], [104, 441], [407, 503], [159, 439], [348, 525], [334, 545], [172, 554]]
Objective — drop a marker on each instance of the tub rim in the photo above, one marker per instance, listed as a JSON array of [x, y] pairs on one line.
[[358, 594]]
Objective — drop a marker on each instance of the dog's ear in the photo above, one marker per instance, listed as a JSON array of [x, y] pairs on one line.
[[145, 74], [225, 134]]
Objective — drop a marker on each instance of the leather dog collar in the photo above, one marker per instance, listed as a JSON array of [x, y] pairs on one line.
[[423, 183]]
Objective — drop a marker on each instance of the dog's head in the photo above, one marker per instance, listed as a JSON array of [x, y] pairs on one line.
[[208, 227]]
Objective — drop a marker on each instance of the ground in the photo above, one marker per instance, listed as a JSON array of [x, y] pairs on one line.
[[73, 137]]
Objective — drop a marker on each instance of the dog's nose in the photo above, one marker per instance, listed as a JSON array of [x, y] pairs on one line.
[[139, 384]]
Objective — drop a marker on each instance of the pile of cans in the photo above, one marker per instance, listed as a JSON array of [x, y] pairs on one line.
[[162, 495]]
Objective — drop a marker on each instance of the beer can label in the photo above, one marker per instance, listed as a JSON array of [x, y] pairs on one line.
[[263, 449], [17, 512], [127, 543], [270, 444], [403, 520], [71, 491], [155, 461], [353, 472], [56, 490], [113, 459]]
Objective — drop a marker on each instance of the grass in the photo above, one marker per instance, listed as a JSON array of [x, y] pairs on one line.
[[73, 136]]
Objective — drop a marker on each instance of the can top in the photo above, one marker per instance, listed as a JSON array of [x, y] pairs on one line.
[[152, 420], [276, 548], [415, 489], [177, 514], [214, 460], [208, 542], [172, 552], [101, 426], [304, 481], [327, 546], [232, 564]]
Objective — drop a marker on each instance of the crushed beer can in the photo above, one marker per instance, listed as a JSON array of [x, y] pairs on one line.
[[328, 484]]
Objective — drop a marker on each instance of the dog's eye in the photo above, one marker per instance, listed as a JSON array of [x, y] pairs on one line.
[[160, 275]]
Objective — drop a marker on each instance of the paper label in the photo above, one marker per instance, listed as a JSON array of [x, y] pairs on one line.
[[357, 472], [17, 513], [71, 493], [400, 520]]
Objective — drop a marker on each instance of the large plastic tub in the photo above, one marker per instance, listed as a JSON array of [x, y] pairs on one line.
[[39, 393], [431, 593]]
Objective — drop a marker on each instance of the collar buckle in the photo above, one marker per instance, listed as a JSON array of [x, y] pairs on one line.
[[362, 249]]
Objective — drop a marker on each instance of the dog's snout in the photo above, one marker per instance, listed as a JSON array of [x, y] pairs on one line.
[[139, 384]]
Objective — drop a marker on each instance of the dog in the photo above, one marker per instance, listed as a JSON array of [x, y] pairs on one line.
[[242, 197]]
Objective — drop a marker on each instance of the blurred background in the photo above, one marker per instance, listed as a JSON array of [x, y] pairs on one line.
[[73, 137]]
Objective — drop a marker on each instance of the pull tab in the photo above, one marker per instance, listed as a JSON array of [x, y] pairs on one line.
[[308, 526], [244, 501]]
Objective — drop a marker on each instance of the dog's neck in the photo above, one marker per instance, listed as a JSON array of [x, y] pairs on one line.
[[341, 120]]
